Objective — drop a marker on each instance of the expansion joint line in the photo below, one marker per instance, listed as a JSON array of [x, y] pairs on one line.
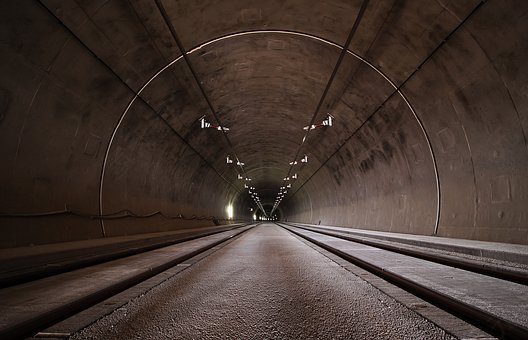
[[183, 51], [342, 55], [398, 90]]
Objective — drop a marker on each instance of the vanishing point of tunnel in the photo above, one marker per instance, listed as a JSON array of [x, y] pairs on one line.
[[128, 117], [100, 115]]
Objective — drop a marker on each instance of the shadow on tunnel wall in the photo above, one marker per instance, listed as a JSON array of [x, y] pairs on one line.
[[60, 107], [471, 97], [446, 155]]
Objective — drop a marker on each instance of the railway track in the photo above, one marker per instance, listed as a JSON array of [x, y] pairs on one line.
[[506, 273], [489, 299], [56, 297], [493, 300], [32, 268]]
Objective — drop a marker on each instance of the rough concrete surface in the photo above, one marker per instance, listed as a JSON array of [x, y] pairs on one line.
[[265, 285], [99, 114]]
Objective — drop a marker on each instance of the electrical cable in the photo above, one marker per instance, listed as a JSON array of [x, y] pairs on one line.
[[124, 213]]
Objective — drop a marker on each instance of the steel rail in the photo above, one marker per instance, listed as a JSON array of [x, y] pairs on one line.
[[104, 254], [500, 327], [29, 327], [478, 267]]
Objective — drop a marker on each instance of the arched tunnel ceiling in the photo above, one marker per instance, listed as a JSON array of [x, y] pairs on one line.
[[419, 83], [265, 86]]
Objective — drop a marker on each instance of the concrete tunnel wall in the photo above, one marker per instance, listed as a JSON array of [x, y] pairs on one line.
[[445, 155]]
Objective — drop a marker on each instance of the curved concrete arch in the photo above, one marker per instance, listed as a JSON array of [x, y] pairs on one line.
[[114, 132], [98, 115], [392, 83], [292, 33]]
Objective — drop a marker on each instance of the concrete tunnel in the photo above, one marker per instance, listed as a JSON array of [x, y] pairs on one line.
[[101, 101]]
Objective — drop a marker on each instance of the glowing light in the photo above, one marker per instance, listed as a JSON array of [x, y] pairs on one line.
[[229, 211], [254, 217], [326, 122], [203, 123]]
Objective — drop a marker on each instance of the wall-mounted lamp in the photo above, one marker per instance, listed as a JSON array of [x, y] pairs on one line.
[[204, 125], [326, 122]]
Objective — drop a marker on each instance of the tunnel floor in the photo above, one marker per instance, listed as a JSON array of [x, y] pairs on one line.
[[265, 284]]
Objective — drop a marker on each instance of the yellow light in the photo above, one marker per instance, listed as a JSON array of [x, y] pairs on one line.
[[229, 211]]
